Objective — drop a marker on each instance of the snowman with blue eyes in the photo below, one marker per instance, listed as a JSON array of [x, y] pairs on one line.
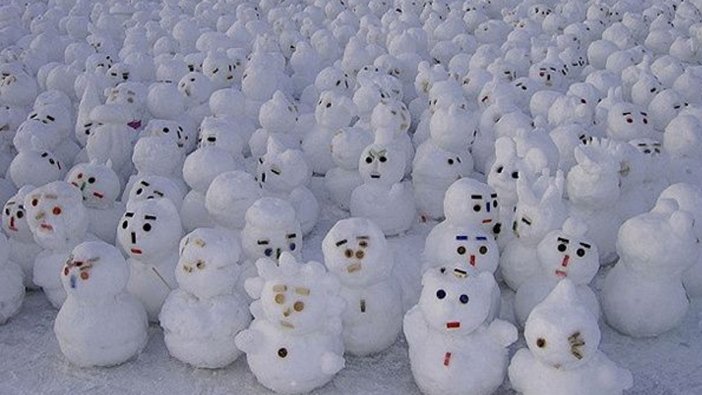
[[563, 253], [453, 347], [149, 232], [383, 196]]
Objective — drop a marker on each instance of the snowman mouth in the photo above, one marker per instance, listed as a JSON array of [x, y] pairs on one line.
[[561, 274], [375, 176], [98, 195], [46, 227], [354, 267], [453, 325], [136, 124], [136, 251]]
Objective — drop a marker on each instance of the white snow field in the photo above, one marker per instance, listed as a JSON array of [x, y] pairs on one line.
[[31, 362]]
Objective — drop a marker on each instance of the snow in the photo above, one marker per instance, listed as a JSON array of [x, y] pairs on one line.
[[32, 363]]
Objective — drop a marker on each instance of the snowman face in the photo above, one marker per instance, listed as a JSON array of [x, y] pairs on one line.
[[195, 87], [99, 63], [14, 219], [532, 222], [149, 229], [649, 147], [356, 251], [94, 269], [391, 115], [216, 133], [35, 168], [118, 73], [282, 171], [334, 79], [440, 165], [51, 115], [295, 304], [455, 301], [123, 94], [381, 164], [645, 89], [333, 110], [665, 106], [470, 202], [220, 69], [549, 75], [470, 248], [563, 255], [503, 177], [84, 131], [167, 128], [208, 264], [626, 121], [155, 187], [98, 184], [563, 341], [55, 214], [260, 242], [16, 86]]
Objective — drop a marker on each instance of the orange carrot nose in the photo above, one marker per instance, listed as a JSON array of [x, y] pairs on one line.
[[565, 261]]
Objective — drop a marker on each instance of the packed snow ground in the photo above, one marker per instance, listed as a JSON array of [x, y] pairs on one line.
[[31, 362]]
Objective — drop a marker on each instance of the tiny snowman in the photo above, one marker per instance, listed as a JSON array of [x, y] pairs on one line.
[[271, 228], [59, 222], [563, 253], [284, 173], [11, 283], [562, 357], [383, 196], [100, 323], [295, 342], [149, 232], [643, 294], [356, 252], [541, 209], [23, 248], [346, 147], [99, 187], [453, 348], [202, 316]]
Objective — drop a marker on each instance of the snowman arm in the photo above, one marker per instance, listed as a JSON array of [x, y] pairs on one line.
[[249, 340], [503, 332], [414, 326], [520, 368], [332, 363], [254, 286]]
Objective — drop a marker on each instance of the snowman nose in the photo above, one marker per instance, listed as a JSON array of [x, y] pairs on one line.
[[133, 237], [565, 261], [40, 215], [278, 251]]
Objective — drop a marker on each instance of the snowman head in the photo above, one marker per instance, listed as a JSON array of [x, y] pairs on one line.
[[382, 164], [35, 167], [168, 128], [14, 217], [279, 114], [456, 301], [220, 69], [148, 187], [157, 155], [333, 110], [195, 87], [164, 101], [471, 202], [540, 208], [56, 215], [94, 269], [282, 169], [356, 251], [561, 332], [229, 196], [220, 133], [149, 229], [569, 253], [98, 184], [208, 264], [682, 136], [509, 167], [333, 78], [271, 228], [17, 87], [204, 164], [297, 297], [260, 81]]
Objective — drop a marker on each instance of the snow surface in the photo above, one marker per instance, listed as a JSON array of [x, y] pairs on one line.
[[31, 362]]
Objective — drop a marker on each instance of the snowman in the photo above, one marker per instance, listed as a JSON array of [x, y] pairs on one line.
[[59, 221], [148, 233], [202, 316], [643, 294], [562, 356], [11, 283], [356, 252], [295, 342], [228, 105], [100, 188], [23, 249], [228, 197], [383, 196], [541, 209], [346, 147], [284, 173], [453, 348], [563, 253], [160, 156], [278, 117], [100, 323]]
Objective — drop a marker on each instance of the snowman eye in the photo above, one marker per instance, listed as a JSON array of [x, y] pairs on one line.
[[91, 180], [483, 250], [146, 227], [541, 342], [477, 208], [441, 294], [461, 250], [200, 265], [580, 252], [463, 298], [515, 174], [499, 169], [383, 159], [56, 210], [369, 159], [125, 224], [7, 211]]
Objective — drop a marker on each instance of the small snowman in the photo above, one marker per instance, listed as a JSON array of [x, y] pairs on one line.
[[100, 188], [284, 173], [59, 222], [346, 147], [295, 342], [541, 209], [100, 323], [562, 357], [202, 316], [11, 283], [563, 253], [383, 196], [23, 248], [643, 294], [149, 232], [356, 252], [453, 348]]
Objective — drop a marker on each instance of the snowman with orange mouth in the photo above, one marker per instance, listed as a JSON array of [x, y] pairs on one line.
[[149, 233], [58, 222], [453, 348]]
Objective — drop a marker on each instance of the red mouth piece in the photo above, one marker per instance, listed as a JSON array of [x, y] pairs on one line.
[[453, 325], [561, 274], [98, 195], [136, 251], [47, 227], [487, 221], [136, 124]]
